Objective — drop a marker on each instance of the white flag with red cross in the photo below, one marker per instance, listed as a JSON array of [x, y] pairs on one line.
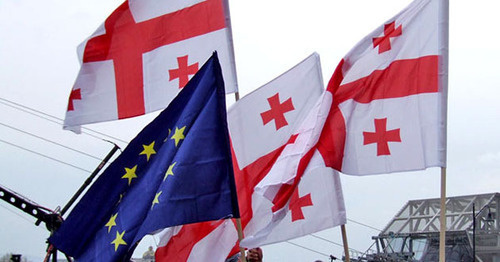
[[389, 93], [284, 188], [289, 191], [144, 54]]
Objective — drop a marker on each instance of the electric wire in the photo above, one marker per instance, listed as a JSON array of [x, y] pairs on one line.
[[50, 141], [86, 131], [334, 243], [54, 119], [368, 226], [317, 252], [25, 199], [16, 213], [45, 156]]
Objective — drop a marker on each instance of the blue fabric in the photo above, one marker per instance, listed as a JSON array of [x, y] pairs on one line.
[[120, 208]]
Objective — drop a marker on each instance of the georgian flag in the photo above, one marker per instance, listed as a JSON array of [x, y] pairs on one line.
[[292, 192], [144, 54], [389, 96], [284, 188]]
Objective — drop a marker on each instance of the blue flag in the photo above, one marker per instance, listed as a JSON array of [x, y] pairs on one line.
[[176, 171]]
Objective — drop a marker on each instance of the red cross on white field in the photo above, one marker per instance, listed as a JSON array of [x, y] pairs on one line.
[[126, 41], [382, 137], [183, 72], [277, 111], [297, 203], [384, 42], [75, 95]]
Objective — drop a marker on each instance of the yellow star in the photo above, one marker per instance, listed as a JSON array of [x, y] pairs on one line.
[[170, 171], [148, 150], [178, 135], [111, 222], [169, 132], [156, 201], [130, 174], [119, 240]]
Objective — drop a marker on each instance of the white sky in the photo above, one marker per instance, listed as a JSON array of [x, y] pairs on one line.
[[38, 65]]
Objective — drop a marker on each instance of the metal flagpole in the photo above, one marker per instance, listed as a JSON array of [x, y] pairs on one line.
[[442, 229], [344, 241], [89, 179]]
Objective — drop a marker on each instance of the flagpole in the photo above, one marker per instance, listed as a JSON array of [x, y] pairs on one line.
[[344, 241], [240, 237], [238, 220], [444, 51], [442, 232]]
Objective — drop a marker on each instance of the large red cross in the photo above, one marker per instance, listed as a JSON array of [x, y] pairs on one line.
[[297, 203], [125, 42], [277, 111], [384, 42], [382, 137], [75, 95], [183, 72]]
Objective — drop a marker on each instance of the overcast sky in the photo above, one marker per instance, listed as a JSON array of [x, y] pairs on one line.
[[38, 66]]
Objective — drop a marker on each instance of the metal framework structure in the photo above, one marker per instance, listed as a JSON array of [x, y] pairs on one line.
[[413, 234]]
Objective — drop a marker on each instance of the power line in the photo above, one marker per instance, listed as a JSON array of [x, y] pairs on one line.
[[54, 119], [16, 213], [327, 240], [43, 155], [50, 141], [368, 226], [59, 121], [317, 252]]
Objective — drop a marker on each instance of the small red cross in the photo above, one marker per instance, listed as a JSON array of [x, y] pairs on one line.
[[381, 136], [126, 41], [75, 95], [384, 42], [277, 111], [183, 72], [297, 203]]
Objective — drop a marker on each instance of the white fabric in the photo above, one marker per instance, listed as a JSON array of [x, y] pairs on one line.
[[328, 209], [421, 118], [143, 10], [97, 79], [252, 139], [215, 247], [419, 22], [158, 89], [419, 136]]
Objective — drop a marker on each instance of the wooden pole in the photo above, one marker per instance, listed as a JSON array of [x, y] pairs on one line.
[[442, 222], [238, 220], [344, 241], [240, 237]]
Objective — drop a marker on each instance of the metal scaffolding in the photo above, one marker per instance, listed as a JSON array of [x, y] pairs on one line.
[[413, 234]]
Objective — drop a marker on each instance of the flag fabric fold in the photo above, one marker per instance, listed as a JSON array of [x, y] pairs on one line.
[[144, 54], [176, 171], [278, 188], [284, 188], [389, 96], [298, 195]]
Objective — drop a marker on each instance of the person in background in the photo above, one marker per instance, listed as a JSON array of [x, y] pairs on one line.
[[253, 255], [149, 256]]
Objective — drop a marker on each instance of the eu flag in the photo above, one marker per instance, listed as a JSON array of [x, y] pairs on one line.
[[176, 171]]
